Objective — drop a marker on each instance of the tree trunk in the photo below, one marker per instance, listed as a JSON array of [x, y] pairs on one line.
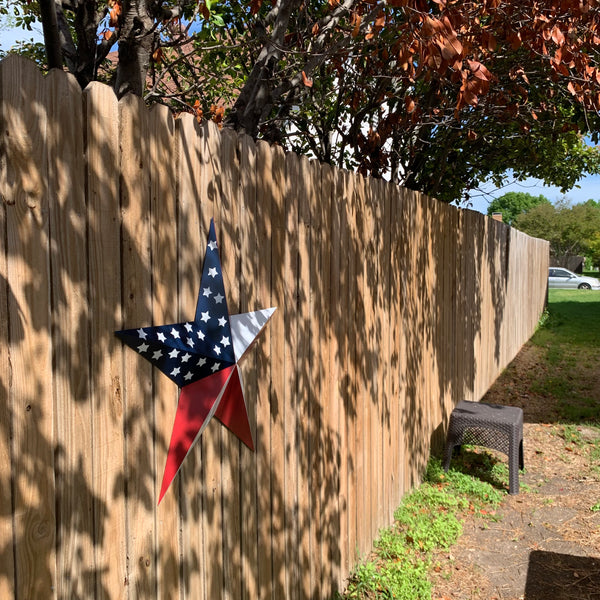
[[51, 36], [135, 48]]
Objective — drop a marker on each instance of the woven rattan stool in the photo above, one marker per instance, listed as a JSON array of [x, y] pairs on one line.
[[492, 426]]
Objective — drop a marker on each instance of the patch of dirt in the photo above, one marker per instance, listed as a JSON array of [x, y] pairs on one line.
[[545, 544]]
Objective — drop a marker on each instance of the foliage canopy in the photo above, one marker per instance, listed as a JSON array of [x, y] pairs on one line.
[[570, 229], [437, 95], [512, 204]]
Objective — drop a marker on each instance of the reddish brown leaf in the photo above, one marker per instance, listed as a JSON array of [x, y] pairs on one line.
[[557, 36], [479, 70], [357, 20], [157, 55], [306, 80], [255, 6], [204, 11]]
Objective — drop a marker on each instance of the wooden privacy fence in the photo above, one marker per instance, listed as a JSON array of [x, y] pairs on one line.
[[391, 308]]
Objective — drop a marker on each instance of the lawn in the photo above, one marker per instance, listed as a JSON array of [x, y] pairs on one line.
[[570, 364]]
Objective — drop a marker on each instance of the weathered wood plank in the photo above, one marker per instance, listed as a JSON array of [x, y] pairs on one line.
[[353, 374], [7, 572], [230, 246], [194, 486], [275, 192], [328, 247], [305, 382], [163, 209], [340, 309], [30, 392], [137, 312], [287, 287], [248, 283], [70, 339], [104, 257], [263, 298]]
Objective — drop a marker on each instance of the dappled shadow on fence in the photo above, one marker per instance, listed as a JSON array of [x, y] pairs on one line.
[[390, 308]]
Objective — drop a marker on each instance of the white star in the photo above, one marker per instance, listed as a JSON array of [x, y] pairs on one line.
[[143, 347], [200, 335], [222, 321], [219, 298], [161, 336], [190, 342], [205, 317], [206, 292], [212, 272], [188, 327], [175, 371], [212, 245], [186, 357], [215, 367], [175, 333], [225, 341], [142, 333], [217, 350], [174, 353], [201, 362], [188, 376], [157, 355]]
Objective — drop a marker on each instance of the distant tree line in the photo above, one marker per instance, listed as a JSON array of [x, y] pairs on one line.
[[571, 229]]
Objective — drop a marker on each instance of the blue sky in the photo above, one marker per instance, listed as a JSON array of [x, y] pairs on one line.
[[589, 187], [9, 35]]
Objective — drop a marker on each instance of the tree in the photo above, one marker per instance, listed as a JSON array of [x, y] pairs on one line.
[[437, 95], [513, 204], [570, 229]]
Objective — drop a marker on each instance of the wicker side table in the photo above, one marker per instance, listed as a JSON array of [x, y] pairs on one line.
[[492, 426]]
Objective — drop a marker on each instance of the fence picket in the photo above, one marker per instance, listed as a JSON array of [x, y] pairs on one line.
[[161, 128], [105, 300], [70, 338]]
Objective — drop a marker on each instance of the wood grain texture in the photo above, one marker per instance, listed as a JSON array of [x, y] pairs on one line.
[[248, 281], [195, 487], [134, 147], [70, 339], [30, 389], [163, 209], [106, 360]]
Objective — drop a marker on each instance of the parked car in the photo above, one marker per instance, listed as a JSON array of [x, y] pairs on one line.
[[563, 278]]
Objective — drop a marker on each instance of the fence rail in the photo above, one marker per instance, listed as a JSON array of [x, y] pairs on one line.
[[391, 308]]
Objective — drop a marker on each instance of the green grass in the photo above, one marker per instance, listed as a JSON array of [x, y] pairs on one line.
[[429, 519], [574, 319], [570, 333]]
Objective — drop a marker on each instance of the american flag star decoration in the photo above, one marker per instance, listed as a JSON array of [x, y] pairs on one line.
[[201, 357]]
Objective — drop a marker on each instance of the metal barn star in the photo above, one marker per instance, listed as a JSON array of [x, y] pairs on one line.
[[201, 357]]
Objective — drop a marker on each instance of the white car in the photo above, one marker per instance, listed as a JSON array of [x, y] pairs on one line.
[[563, 278]]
